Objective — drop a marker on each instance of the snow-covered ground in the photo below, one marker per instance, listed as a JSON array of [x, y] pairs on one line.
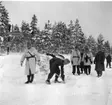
[[78, 90]]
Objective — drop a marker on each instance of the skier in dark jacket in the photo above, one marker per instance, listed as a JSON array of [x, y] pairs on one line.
[[99, 62], [108, 59], [55, 62]]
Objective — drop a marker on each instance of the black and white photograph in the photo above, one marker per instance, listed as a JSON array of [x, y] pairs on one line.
[[55, 52]]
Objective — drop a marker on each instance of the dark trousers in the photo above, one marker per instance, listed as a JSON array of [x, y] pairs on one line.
[[87, 69], [54, 71], [82, 66], [74, 69], [108, 64], [30, 77], [82, 69]]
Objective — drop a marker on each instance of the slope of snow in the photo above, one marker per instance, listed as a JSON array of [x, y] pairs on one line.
[[78, 90]]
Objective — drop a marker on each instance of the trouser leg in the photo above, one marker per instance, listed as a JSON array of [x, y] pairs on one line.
[[50, 75], [81, 69], [89, 69], [62, 75], [32, 78], [110, 64], [74, 69], [78, 71], [57, 74], [85, 69], [28, 79], [107, 65]]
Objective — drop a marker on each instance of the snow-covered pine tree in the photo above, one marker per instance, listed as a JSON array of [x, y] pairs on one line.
[[59, 36], [33, 25], [35, 32], [78, 35], [91, 44], [71, 30], [4, 20], [4, 24], [107, 46], [46, 36]]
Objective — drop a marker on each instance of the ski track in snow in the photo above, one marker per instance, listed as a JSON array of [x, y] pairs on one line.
[[78, 90]]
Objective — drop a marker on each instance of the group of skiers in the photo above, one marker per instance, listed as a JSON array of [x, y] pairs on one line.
[[81, 62]]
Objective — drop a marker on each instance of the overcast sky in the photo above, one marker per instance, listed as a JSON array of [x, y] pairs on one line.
[[94, 17]]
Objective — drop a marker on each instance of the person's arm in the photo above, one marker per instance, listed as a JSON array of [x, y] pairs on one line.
[[22, 59], [37, 56], [71, 58], [104, 57], [52, 55], [95, 60], [61, 56], [91, 58]]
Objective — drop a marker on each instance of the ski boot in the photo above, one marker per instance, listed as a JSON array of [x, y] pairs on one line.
[[28, 79], [48, 82], [32, 77]]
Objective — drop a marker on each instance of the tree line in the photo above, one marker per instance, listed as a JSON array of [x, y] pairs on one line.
[[55, 37]]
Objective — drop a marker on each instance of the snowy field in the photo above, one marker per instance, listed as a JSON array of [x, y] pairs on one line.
[[78, 90]]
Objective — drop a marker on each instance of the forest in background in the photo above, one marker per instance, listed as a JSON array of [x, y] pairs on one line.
[[55, 37]]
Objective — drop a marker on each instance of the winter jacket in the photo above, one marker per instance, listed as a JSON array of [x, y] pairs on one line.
[[99, 61], [108, 58], [88, 59], [75, 57], [31, 56]]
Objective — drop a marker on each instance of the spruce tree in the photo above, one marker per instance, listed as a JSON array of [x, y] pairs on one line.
[[91, 44], [33, 25], [107, 46], [78, 38], [4, 21]]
